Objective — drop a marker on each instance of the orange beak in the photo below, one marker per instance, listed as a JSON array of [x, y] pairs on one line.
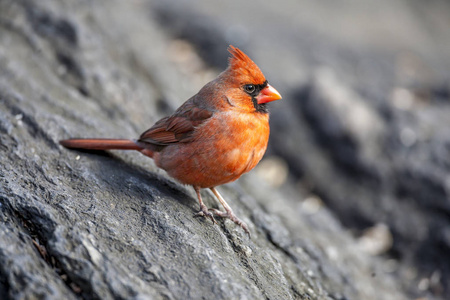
[[268, 94]]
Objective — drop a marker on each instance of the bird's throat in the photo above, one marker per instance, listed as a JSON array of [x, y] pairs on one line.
[[261, 108]]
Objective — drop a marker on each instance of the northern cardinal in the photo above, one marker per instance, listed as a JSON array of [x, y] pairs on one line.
[[213, 138]]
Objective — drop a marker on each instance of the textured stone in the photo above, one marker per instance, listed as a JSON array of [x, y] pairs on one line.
[[110, 225]]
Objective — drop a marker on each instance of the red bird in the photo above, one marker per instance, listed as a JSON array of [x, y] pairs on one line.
[[213, 138]]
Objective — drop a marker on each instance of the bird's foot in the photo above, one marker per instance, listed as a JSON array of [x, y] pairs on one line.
[[204, 212], [230, 215]]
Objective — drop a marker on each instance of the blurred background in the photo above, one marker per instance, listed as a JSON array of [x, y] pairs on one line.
[[362, 133], [364, 124]]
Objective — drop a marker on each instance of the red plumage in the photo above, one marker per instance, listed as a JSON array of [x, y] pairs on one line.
[[214, 137]]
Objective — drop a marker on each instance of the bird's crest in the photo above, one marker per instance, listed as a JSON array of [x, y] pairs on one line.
[[243, 68]]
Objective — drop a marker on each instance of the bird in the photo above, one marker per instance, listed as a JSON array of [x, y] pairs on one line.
[[213, 138]]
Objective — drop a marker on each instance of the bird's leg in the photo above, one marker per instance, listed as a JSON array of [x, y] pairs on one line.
[[228, 212], [204, 212]]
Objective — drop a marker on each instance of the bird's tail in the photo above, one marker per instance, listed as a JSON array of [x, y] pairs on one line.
[[101, 144]]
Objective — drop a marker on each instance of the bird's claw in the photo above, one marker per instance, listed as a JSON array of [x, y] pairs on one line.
[[204, 212], [230, 215]]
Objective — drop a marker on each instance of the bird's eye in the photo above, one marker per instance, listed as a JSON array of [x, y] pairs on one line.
[[249, 88]]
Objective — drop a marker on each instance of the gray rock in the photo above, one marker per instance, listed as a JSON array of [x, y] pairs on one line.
[[110, 225]]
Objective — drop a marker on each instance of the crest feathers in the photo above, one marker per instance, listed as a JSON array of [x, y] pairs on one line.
[[243, 66]]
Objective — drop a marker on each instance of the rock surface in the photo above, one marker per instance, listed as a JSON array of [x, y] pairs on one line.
[[362, 130]]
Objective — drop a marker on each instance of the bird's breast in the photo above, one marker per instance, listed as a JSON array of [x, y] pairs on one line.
[[240, 146], [224, 148]]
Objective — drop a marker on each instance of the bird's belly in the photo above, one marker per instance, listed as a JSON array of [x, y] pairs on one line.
[[211, 165], [215, 157]]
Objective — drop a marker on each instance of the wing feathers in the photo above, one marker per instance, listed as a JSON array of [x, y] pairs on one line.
[[180, 127]]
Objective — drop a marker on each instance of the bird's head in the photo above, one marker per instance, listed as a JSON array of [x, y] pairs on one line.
[[247, 87]]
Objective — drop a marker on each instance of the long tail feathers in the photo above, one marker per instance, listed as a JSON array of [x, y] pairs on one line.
[[100, 144]]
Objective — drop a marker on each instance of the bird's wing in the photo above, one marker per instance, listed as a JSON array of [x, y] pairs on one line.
[[178, 128]]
